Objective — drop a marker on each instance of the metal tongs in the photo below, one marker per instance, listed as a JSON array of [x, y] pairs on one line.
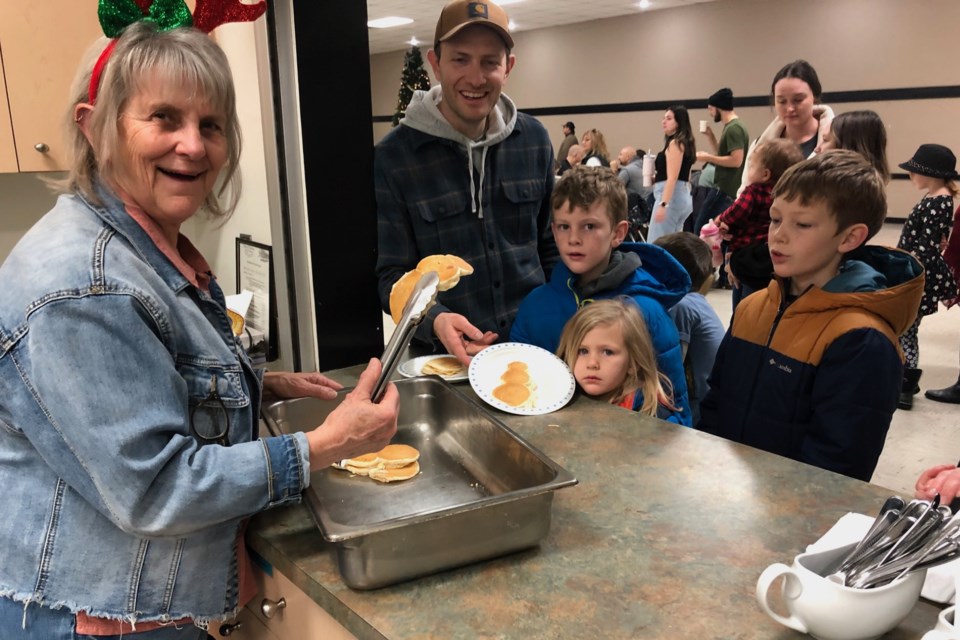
[[422, 298]]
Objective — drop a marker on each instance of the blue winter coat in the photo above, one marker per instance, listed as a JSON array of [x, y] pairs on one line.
[[658, 284]]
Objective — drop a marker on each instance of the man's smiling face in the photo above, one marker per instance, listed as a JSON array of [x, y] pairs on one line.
[[472, 69]]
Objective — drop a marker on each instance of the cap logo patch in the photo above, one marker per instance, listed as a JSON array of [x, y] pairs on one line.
[[477, 10]]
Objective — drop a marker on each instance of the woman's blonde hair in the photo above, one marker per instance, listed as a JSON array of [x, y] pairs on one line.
[[599, 147], [182, 57], [642, 373]]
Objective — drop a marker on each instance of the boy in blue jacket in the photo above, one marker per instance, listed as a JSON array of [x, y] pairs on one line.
[[810, 367], [589, 225]]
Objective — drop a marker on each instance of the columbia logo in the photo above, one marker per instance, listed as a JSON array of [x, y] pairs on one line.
[[782, 367]]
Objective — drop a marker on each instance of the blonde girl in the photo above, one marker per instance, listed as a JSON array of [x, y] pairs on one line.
[[608, 347], [594, 149], [932, 169]]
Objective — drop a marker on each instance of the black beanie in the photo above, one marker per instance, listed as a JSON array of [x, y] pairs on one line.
[[722, 99]]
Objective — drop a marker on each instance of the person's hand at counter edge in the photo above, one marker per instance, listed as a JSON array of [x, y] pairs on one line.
[[462, 339], [279, 385], [357, 425], [943, 479]]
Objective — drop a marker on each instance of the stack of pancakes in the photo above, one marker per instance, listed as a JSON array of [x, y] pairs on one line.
[[393, 462], [517, 388], [444, 366], [448, 267]]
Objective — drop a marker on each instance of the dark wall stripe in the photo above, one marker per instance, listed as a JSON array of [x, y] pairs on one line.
[[829, 97]]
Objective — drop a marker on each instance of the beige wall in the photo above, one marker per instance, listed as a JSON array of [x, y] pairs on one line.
[[688, 52]]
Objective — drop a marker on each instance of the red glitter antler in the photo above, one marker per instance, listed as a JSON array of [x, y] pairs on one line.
[[210, 14]]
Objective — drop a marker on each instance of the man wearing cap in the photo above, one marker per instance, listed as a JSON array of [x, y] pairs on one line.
[[466, 174], [569, 139], [729, 154]]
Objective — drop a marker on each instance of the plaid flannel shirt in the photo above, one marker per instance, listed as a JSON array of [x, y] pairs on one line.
[[748, 218], [424, 208]]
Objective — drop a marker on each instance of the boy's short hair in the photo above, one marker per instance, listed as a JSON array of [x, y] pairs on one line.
[[583, 186], [691, 252], [845, 182], [778, 155]]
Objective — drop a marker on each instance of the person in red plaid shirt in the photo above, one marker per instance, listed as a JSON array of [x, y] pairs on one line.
[[745, 223]]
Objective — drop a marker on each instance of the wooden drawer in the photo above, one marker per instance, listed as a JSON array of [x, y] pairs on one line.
[[300, 618], [251, 628]]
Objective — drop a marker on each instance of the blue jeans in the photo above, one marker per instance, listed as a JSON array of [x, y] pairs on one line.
[[677, 210], [60, 624]]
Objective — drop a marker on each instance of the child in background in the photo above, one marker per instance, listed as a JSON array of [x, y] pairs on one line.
[[697, 323], [860, 131], [811, 365], [589, 225], [932, 169], [607, 346], [745, 223]]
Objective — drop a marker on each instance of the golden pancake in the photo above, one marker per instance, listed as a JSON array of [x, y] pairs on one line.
[[517, 365], [512, 394], [400, 293], [448, 267], [236, 322], [515, 376], [366, 460], [358, 471], [393, 475], [445, 366], [394, 456]]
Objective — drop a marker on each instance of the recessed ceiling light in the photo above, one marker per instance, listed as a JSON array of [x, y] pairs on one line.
[[386, 23], [644, 4], [512, 25], [413, 41]]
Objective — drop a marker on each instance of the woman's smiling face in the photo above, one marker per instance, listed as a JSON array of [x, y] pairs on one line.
[[171, 150]]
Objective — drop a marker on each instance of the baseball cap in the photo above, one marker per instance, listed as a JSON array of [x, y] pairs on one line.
[[462, 13]]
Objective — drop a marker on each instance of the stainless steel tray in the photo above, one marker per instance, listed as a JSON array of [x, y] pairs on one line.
[[482, 492]]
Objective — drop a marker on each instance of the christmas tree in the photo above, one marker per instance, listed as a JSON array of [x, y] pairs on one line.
[[414, 77]]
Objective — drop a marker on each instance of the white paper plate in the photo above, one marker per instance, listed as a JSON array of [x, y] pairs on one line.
[[414, 367], [554, 382]]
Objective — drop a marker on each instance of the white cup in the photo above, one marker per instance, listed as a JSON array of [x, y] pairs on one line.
[[831, 611], [946, 628], [703, 126], [649, 169]]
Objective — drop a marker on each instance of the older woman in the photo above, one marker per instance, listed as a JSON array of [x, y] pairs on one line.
[[129, 456], [796, 94], [671, 188]]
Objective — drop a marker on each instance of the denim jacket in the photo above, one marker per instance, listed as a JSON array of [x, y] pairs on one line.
[[106, 351]]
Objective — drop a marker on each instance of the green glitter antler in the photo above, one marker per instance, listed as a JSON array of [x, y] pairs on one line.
[[117, 15]]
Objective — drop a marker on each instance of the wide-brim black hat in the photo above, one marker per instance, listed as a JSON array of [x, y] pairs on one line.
[[933, 161]]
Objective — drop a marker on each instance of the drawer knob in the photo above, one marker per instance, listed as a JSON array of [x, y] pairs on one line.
[[42, 147], [269, 608], [228, 629]]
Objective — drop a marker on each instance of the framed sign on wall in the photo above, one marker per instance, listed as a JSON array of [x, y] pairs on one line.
[[255, 274]]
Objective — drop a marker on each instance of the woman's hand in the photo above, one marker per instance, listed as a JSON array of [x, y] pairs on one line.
[[943, 479], [357, 425], [278, 385]]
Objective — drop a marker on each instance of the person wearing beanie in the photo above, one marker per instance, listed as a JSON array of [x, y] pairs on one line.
[[728, 154]]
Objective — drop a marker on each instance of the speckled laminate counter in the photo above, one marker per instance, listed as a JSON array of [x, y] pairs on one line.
[[664, 537]]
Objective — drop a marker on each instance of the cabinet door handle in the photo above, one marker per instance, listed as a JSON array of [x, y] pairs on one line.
[[228, 629], [42, 147], [269, 608]]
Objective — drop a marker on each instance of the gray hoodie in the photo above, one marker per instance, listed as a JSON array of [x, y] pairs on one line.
[[423, 114]]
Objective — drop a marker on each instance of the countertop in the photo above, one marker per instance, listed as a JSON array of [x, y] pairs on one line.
[[664, 537]]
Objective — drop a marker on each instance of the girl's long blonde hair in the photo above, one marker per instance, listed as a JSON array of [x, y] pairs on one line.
[[642, 373]]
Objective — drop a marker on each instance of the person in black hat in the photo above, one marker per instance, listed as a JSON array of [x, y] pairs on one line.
[[933, 169], [569, 139], [728, 154]]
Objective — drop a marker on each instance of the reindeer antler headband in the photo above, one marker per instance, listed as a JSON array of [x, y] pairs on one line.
[[117, 15]]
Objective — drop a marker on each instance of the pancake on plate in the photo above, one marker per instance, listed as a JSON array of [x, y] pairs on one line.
[[445, 366]]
